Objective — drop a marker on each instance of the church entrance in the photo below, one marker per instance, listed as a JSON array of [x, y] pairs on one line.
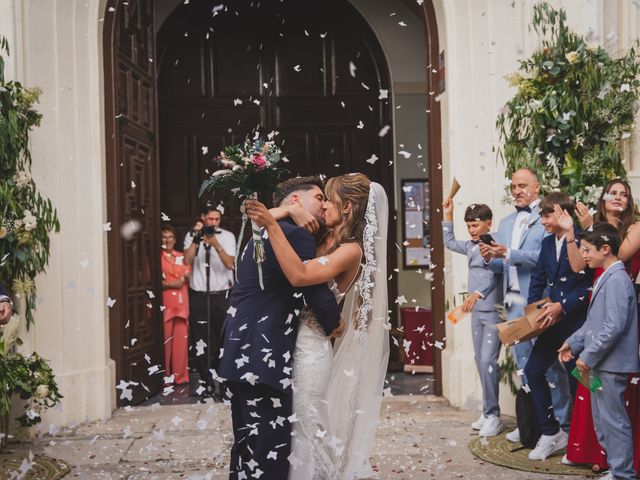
[[312, 74]]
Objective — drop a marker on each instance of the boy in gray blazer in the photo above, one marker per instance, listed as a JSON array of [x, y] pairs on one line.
[[607, 345], [484, 287]]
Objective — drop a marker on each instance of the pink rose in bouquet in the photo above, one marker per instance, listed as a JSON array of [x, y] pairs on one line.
[[259, 162]]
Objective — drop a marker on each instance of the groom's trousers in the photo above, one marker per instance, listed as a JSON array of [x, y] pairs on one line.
[[262, 431]]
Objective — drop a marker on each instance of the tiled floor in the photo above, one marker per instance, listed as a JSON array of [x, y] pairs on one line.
[[419, 437], [399, 382]]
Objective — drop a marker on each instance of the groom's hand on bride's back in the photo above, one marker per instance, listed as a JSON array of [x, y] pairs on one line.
[[339, 329]]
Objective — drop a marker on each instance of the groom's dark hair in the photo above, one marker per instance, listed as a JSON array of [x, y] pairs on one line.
[[296, 184]]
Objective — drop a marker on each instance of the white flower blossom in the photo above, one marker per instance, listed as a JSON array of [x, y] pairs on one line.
[[22, 179], [42, 392], [29, 221]]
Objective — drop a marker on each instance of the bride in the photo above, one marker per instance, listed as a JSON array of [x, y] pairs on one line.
[[338, 392]]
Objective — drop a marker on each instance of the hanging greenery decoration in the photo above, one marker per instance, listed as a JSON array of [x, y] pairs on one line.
[[26, 217], [573, 109]]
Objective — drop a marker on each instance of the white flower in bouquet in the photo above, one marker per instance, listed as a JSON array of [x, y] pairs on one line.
[[219, 173], [42, 392], [226, 163], [22, 179], [30, 222]]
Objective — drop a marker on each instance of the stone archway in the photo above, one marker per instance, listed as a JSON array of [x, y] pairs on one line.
[[120, 337]]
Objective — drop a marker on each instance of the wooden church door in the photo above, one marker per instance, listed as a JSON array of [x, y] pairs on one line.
[[312, 71], [135, 294]]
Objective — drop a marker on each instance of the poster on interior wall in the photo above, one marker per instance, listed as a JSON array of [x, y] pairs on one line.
[[415, 223]]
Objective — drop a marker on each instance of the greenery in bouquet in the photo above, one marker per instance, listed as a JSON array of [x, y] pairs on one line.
[[254, 167], [26, 217], [573, 110], [28, 377]]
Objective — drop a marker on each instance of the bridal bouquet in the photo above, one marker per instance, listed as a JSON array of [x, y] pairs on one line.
[[252, 168]]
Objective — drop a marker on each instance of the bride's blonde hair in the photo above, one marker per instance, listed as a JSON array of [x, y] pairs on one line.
[[351, 188]]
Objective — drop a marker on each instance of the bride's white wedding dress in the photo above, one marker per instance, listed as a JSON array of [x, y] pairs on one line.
[[314, 451], [337, 393]]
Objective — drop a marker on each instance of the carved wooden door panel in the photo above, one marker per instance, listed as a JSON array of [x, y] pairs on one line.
[[135, 320], [312, 71]]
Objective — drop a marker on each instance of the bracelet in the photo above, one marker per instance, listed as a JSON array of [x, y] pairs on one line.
[[570, 240]]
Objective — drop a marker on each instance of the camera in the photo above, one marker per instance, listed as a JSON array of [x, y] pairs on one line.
[[206, 231]]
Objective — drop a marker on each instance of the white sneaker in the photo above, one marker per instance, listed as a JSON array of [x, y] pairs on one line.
[[608, 476], [492, 426], [566, 461], [513, 436], [477, 425], [549, 444]]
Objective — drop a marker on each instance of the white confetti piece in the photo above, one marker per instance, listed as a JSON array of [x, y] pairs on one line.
[[110, 302], [384, 130], [372, 159]]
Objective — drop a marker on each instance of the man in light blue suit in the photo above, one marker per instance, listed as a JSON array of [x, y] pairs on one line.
[[607, 345], [515, 255]]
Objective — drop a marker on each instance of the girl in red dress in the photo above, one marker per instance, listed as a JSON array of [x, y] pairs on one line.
[[175, 298], [616, 207]]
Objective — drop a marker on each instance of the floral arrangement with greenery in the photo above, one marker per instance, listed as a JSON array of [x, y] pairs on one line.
[[29, 377], [248, 170], [26, 217], [573, 109], [26, 220]]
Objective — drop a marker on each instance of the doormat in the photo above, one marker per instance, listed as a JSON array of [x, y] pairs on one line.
[[40, 467], [500, 451]]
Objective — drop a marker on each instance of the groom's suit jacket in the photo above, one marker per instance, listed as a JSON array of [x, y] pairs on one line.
[[259, 333], [3, 291]]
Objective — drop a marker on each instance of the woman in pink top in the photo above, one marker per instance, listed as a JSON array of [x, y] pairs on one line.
[[175, 299]]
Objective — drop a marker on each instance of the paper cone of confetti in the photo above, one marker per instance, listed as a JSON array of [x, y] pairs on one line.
[[455, 186]]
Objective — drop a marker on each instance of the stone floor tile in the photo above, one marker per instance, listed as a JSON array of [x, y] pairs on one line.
[[83, 452], [180, 447]]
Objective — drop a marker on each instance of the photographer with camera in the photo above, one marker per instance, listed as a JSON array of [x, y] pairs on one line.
[[210, 251]]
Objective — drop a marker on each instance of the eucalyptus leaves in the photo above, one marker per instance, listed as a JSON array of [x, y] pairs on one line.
[[26, 217], [573, 109]]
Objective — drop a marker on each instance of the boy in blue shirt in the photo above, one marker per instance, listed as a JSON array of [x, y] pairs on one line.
[[485, 292]]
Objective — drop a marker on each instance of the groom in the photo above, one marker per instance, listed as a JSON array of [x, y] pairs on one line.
[[258, 342]]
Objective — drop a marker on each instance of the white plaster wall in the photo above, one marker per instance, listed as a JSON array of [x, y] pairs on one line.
[[482, 40], [57, 46]]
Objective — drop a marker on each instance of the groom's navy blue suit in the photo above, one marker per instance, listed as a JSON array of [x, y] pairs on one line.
[[256, 358], [3, 291]]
